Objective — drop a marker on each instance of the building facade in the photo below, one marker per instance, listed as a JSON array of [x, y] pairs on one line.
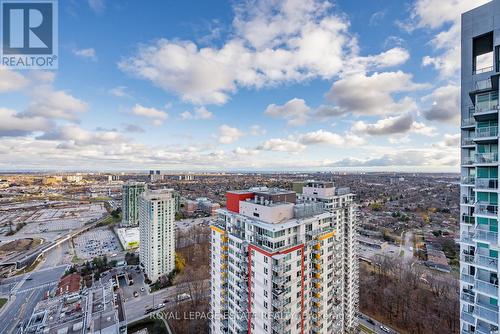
[[130, 202], [479, 244], [157, 232], [340, 201], [276, 265]]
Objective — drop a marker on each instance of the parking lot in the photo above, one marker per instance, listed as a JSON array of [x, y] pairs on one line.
[[96, 242]]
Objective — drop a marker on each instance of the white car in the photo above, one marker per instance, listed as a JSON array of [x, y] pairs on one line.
[[385, 329]]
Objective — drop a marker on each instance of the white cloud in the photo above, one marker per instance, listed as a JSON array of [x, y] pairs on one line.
[[119, 91], [393, 125], [86, 53], [329, 138], [97, 6], [228, 134], [281, 145], [81, 137], [425, 14], [444, 104], [156, 116], [451, 140], [14, 124], [50, 103], [11, 81], [273, 42], [257, 130], [198, 113], [245, 151], [295, 111], [377, 94]]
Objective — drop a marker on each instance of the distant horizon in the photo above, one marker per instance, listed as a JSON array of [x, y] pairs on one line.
[[175, 172]]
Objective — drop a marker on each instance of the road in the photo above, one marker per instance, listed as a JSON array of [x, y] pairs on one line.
[[135, 308], [25, 292], [375, 326], [406, 246]]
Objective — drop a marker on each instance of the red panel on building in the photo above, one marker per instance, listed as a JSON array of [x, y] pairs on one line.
[[233, 199]]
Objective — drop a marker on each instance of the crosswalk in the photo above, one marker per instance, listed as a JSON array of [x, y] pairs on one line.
[[46, 285]]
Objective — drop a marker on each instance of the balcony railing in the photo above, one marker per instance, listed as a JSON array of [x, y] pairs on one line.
[[486, 261], [468, 180], [486, 158], [467, 141], [486, 313], [469, 200], [485, 287], [467, 297], [483, 84], [482, 70], [485, 183], [466, 315], [486, 236], [467, 238], [490, 131], [481, 329], [468, 161], [467, 278], [467, 258], [468, 219], [486, 209], [468, 121]]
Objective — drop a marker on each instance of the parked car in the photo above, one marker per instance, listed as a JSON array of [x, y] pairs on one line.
[[385, 329]]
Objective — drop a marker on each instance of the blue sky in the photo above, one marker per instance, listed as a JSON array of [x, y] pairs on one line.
[[254, 85]]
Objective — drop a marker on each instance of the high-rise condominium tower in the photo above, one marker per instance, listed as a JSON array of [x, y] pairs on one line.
[[157, 232], [479, 170], [340, 201], [276, 265], [130, 202]]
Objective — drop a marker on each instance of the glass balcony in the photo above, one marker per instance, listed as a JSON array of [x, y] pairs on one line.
[[485, 236], [486, 312], [467, 258], [467, 238], [468, 161], [467, 180], [486, 329], [486, 287], [490, 131], [468, 122], [486, 158], [467, 141], [467, 316], [466, 277], [468, 297], [487, 184], [483, 84], [482, 70], [486, 261], [468, 200], [486, 209]]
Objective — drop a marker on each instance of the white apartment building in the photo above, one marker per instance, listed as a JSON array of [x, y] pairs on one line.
[[276, 265], [131, 191], [157, 232], [341, 202]]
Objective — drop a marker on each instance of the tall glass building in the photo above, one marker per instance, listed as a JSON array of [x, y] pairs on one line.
[[130, 202], [479, 170]]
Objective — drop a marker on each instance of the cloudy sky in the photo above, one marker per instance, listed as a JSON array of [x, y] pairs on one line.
[[252, 85]]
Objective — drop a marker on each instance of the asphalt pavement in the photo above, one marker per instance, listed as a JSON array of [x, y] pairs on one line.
[[373, 325], [24, 292]]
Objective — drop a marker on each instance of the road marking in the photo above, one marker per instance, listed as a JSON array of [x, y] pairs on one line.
[[37, 287]]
